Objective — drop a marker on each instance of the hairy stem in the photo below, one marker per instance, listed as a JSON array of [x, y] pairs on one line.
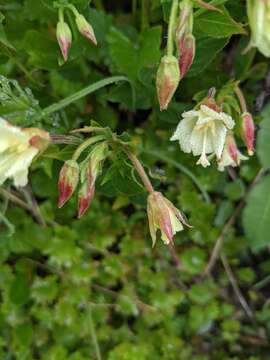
[[138, 166]]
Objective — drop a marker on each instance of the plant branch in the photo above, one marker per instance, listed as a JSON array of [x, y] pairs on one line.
[[236, 288]]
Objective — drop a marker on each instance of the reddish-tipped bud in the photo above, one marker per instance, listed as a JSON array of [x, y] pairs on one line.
[[231, 156], [232, 149], [248, 129], [64, 38], [163, 216], [85, 28], [186, 48], [89, 175], [68, 181], [168, 77], [86, 195]]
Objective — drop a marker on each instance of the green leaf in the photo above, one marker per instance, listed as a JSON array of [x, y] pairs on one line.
[[19, 290], [207, 49], [130, 57], [217, 25], [263, 146], [257, 214]]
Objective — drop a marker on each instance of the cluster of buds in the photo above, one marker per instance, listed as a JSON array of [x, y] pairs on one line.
[[259, 20], [86, 174], [163, 216], [173, 67], [64, 34], [207, 131]]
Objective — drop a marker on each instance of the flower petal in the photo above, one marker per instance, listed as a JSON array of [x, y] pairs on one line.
[[218, 138], [183, 133]]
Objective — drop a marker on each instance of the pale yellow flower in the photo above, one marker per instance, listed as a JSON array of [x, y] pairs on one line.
[[18, 148], [202, 132]]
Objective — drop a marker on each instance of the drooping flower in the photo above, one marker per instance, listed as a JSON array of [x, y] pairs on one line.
[[248, 130], [18, 148], [203, 132], [89, 174], [163, 216], [85, 28], [68, 181], [168, 77], [259, 20], [64, 38], [231, 156]]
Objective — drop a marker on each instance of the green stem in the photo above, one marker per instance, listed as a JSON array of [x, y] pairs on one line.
[[85, 145], [171, 29], [61, 14], [134, 12], [241, 98], [144, 10], [182, 168], [80, 94], [73, 9], [99, 4], [140, 169], [93, 332]]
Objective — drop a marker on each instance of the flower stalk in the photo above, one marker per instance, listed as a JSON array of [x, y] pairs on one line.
[[138, 166]]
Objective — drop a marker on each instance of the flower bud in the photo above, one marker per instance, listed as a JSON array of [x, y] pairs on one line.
[[258, 15], [86, 195], [168, 77], [163, 216], [231, 156], [85, 28], [64, 38], [185, 41], [248, 129], [186, 48], [89, 174], [68, 181]]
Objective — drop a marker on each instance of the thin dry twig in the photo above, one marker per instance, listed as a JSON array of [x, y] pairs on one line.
[[219, 243], [141, 304], [236, 288], [32, 202]]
